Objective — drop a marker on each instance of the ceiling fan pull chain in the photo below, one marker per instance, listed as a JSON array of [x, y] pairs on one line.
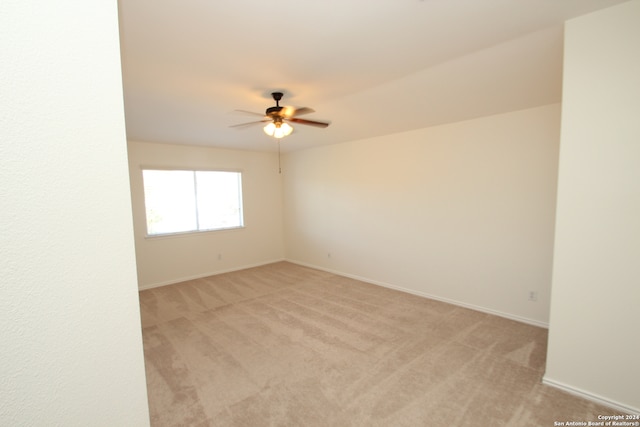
[[279, 168]]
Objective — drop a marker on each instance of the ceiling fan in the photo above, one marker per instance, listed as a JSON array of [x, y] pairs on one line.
[[278, 116]]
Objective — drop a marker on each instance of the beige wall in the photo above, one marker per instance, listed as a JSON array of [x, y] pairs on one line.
[[71, 347], [462, 212], [163, 260], [593, 345]]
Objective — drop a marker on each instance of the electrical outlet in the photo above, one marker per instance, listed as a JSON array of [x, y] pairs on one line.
[[533, 296], [219, 257], [328, 254]]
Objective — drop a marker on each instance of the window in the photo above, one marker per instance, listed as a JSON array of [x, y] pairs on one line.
[[182, 201]]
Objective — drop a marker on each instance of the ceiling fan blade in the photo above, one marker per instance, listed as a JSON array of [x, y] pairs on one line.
[[243, 125], [288, 112], [250, 112], [309, 122]]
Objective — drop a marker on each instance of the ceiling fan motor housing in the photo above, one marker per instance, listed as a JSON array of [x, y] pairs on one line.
[[275, 111]]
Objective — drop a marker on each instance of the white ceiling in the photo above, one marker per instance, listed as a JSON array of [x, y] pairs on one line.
[[371, 67]]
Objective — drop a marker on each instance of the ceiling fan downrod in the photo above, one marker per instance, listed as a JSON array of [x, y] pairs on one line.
[[277, 96]]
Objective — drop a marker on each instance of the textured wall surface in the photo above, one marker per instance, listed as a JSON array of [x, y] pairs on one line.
[[71, 351], [593, 345], [463, 212]]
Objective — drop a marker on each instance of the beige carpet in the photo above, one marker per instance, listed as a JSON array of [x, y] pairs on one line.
[[285, 345]]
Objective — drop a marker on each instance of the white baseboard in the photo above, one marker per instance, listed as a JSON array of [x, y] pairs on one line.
[[617, 406], [200, 276], [426, 295]]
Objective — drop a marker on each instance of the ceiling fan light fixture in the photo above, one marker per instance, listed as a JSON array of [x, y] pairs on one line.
[[270, 128], [278, 130]]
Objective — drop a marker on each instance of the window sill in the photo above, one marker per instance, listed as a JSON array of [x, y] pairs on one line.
[[191, 233]]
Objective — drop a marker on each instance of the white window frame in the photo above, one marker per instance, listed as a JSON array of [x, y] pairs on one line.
[[196, 206]]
